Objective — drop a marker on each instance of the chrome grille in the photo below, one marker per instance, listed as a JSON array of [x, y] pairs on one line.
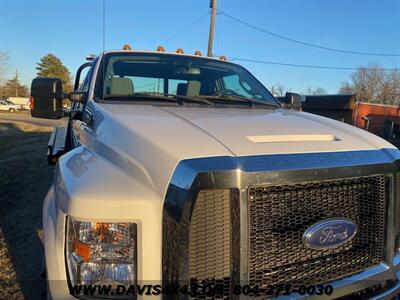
[[210, 241], [279, 215], [397, 216]]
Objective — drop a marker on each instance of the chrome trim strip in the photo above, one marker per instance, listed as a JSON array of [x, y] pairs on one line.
[[359, 282], [390, 293], [238, 173]]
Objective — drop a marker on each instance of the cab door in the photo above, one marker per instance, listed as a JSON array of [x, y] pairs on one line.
[[3, 105], [77, 107]]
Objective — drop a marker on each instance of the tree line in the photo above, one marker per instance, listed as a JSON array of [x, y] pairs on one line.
[[48, 66], [374, 84], [371, 84]]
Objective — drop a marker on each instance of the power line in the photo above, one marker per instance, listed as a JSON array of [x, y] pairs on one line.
[[186, 28], [305, 43], [310, 66]]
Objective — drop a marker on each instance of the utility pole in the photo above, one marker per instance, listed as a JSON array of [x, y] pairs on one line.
[[16, 83], [213, 6]]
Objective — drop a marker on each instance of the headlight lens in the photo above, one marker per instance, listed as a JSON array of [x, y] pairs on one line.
[[101, 252]]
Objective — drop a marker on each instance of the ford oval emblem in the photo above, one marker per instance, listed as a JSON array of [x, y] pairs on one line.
[[329, 233]]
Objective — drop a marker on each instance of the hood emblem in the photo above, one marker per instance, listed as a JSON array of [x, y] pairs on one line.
[[329, 233]]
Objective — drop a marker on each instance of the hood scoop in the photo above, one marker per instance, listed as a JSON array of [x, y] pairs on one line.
[[279, 138]]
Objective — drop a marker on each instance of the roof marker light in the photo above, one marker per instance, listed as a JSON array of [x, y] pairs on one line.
[[223, 57], [91, 57], [127, 47], [197, 53], [160, 49], [180, 51]]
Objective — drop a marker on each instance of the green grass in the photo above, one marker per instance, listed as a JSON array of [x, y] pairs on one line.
[[24, 180]]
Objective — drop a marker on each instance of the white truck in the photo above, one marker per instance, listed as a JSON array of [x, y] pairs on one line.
[[179, 176], [6, 105], [22, 102]]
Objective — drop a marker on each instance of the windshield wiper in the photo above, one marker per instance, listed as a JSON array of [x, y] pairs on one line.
[[139, 96], [189, 98], [180, 99], [237, 98]]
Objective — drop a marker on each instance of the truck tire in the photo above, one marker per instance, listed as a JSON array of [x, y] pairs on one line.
[[43, 278]]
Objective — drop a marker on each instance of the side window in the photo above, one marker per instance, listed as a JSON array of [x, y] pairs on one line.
[[84, 86]]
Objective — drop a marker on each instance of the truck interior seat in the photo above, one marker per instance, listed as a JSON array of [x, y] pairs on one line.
[[193, 88], [181, 89], [121, 86]]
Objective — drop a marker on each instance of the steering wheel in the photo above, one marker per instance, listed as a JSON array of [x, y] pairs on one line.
[[227, 92]]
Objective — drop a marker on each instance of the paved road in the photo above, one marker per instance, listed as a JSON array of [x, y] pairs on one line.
[[28, 119]]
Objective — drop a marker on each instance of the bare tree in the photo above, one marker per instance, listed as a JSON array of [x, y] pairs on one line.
[[4, 70], [346, 88], [372, 84], [317, 91], [14, 88], [279, 90], [367, 82]]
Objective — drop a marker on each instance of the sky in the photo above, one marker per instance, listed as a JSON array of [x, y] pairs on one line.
[[72, 29]]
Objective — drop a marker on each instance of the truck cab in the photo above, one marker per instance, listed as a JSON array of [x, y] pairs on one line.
[[181, 176]]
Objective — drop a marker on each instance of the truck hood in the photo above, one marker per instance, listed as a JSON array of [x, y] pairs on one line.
[[149, 141], [237, 132], [277, 131]]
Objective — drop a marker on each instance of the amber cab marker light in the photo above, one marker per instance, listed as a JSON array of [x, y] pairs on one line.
[[160, 49], [180, 51], [222, 57], [82, 250], [127, 47], [197, 53]]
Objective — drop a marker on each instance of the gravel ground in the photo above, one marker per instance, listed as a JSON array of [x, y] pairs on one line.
[[24, 180]]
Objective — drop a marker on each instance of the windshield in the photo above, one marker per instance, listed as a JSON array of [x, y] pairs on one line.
[[135, 74]]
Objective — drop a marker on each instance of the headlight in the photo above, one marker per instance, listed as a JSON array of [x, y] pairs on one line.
[[101, 252]]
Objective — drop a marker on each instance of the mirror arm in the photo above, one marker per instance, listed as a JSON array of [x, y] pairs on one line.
[[75, 115]]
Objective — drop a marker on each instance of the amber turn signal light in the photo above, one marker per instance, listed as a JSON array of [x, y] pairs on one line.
[[82, 250]]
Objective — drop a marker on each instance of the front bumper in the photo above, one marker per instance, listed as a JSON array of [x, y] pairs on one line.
[[341, 288]]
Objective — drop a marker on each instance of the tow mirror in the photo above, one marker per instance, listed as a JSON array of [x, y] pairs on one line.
[[46, 98], [293, 101]]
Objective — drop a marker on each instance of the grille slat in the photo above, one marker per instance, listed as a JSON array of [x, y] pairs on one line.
[[279, 215]]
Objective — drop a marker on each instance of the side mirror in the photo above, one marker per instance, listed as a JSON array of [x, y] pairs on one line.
[[293, 101], [46, 98]]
